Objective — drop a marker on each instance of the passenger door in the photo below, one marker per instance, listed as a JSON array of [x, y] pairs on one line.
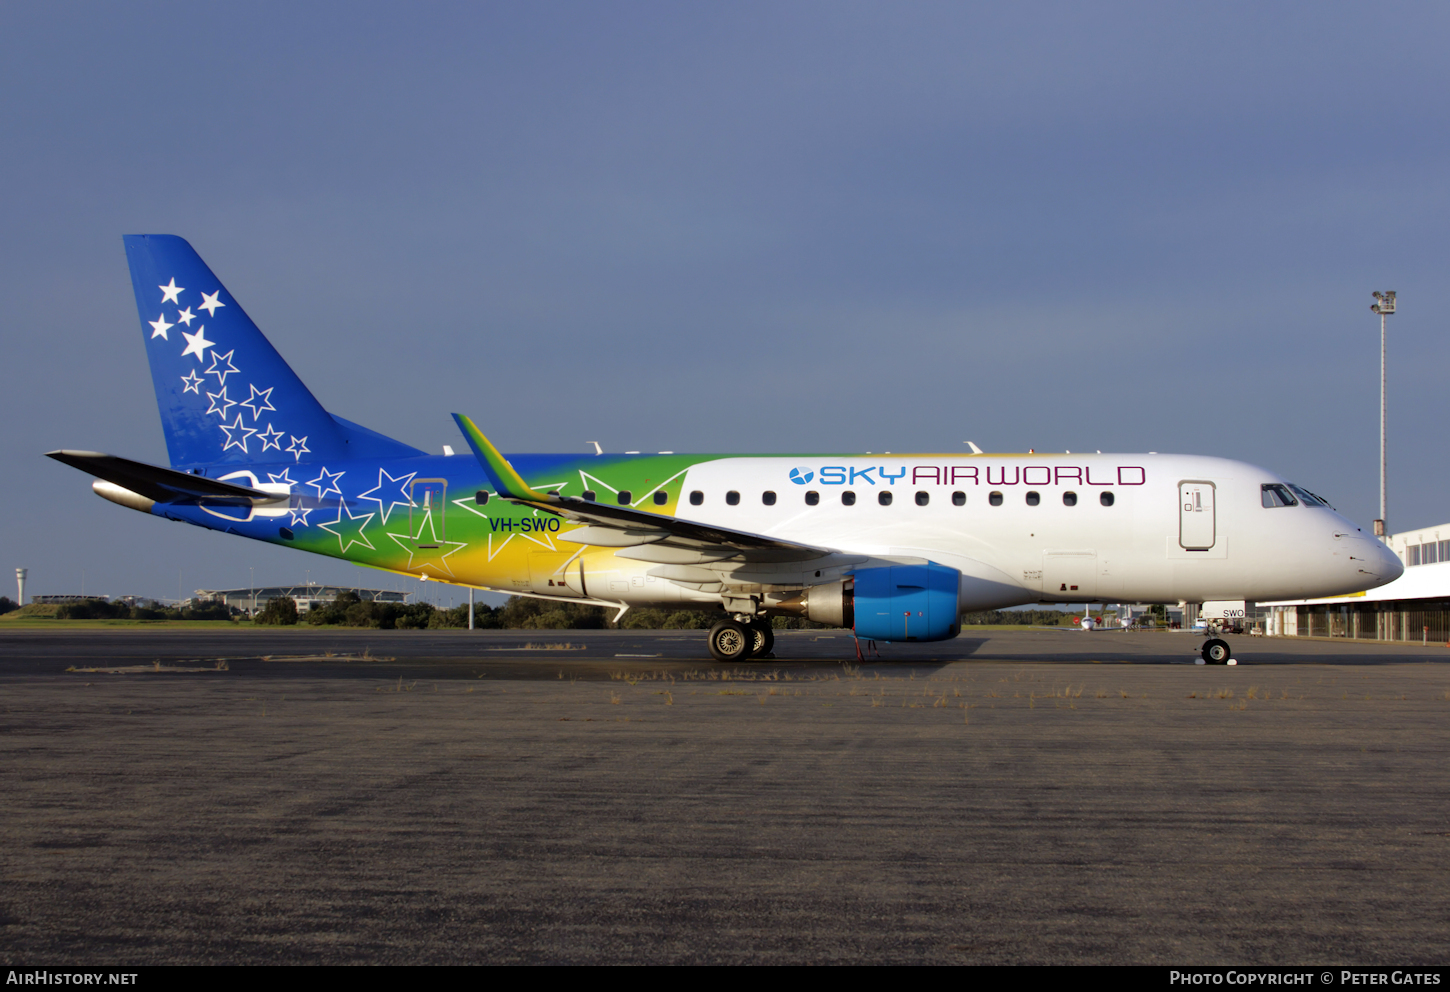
[[1197, 526]]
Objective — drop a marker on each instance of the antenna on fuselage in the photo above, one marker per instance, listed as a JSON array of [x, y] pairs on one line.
[[973, 445], [597, 449]]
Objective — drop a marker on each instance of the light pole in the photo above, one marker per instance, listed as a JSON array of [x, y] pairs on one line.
[[1384, 305], [252, 570]]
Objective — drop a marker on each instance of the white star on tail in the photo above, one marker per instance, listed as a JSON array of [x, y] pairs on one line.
[[159, 327], [298, 447], [430, 553], [396, 494], [239, 438], [186, 316], [197, 344], [326, 482], [220, 404], [170, 291], [271, 439], [210, 303], [222, 373], [260, 400], [349, 528], [192, 383]]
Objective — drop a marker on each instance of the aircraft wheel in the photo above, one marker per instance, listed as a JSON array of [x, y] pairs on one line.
[[731, 641], [1216, 652], [764, 638]]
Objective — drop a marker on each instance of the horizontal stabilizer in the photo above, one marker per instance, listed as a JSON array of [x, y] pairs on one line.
[[162, 485]]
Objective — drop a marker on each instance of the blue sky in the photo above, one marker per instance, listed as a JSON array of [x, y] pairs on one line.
[[764, 227]]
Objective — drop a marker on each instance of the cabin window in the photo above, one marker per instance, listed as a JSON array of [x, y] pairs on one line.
[[813, 498], [923, 498], [589, 495], [481, 498], [732, 498], [848, 498], [696, 498], [768, 498], [1105, 498], [884, 498], [661, 497], [1309, 498], [995, 499], [959, 499], [1275, 495], [1033, 498], [1069, 499], [625, 497]]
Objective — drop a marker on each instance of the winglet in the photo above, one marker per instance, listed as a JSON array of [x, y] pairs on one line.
[[510, 484]]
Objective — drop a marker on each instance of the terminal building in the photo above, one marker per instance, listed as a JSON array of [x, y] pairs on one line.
[[305, 596], [1415, 607]]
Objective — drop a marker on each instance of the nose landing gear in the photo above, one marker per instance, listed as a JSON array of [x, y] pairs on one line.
[[1216, 652]]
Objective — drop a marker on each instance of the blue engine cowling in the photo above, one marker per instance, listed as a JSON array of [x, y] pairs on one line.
[[908, 602]]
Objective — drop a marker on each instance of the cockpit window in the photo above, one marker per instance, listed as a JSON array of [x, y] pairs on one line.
[[1309, 498], [1277, 495]]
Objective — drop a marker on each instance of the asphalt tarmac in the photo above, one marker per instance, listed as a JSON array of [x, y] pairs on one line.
[[1035, 796]]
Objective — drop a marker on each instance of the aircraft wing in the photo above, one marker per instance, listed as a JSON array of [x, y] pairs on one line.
[[162, 485], [613, 526]]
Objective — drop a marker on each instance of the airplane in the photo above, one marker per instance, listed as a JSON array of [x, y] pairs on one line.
[[892, 547]]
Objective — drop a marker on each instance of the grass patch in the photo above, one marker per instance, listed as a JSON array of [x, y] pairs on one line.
[[39, 621]]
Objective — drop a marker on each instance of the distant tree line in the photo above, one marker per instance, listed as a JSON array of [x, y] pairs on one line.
[[7, 604], [99, 609]]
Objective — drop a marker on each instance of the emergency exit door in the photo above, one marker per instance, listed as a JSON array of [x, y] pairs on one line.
[[1197, 528]]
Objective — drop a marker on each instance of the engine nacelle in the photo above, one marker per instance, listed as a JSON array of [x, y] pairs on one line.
[[892, 602]]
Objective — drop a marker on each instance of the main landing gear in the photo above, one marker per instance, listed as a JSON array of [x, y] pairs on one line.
[[1216, 652], [738, 640]]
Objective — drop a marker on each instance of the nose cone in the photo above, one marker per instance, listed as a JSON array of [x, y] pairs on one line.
[[1388, 564]]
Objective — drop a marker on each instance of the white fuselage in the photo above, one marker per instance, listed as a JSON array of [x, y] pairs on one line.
[[1171, 527]]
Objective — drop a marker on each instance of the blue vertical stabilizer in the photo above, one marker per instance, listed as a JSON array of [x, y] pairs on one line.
[[226, 396]]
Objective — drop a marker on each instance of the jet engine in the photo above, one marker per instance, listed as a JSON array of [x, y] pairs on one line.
[[920, 602]]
